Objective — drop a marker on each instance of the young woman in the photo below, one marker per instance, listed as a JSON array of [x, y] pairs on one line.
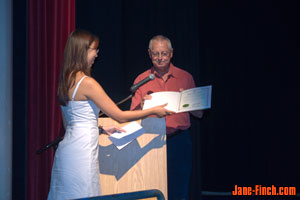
[[75, 172]]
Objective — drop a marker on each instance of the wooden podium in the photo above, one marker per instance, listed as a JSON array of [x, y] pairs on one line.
[[141, 165]]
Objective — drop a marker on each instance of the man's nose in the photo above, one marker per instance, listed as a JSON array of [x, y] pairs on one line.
[[159, 56]]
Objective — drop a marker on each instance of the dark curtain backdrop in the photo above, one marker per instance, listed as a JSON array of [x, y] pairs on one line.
[[246, 49], [49, 24]]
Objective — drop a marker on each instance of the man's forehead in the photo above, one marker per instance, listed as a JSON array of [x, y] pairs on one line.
[[161, 44]]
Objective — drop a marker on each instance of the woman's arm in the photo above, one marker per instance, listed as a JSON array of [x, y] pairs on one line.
[[93, 91]]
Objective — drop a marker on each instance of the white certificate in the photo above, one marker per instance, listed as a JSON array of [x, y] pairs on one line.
[[198, 98]]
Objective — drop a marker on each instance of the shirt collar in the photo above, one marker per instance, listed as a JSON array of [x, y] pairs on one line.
[[171, 72]]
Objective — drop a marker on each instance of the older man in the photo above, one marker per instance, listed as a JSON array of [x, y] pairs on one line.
[[170, 78]]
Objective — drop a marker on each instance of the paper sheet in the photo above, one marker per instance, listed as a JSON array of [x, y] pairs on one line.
[[122, 139]]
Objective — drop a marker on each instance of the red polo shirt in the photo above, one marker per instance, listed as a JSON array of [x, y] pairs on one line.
[[176, 79]]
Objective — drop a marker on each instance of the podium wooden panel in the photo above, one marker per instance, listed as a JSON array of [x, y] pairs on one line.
[[141, 165]]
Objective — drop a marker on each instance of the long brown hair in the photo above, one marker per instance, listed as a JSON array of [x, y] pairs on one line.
[[74, 60]]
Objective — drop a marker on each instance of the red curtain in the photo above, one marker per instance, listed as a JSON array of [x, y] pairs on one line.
[[49, 24]]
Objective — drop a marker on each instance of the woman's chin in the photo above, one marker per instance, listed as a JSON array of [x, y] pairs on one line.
[[91, 64]]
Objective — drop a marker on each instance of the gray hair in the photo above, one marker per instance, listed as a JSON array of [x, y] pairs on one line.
[[160, 38]]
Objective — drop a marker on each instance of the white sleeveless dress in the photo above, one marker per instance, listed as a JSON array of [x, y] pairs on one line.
[[75, 171]]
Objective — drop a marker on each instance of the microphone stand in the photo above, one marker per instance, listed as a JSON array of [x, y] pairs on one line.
[[55, 142]]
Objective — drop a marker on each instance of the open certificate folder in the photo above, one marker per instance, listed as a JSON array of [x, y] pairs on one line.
[[198, 98]]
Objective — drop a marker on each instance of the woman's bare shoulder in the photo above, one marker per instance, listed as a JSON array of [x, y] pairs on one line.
[[90, 83]]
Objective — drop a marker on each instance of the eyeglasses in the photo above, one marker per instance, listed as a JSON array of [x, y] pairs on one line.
[[163, 54], [97, 50]]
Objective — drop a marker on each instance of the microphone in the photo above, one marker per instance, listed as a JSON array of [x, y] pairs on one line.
[[142, 82]]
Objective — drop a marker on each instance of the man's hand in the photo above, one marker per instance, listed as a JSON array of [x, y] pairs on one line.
[[197, 113]]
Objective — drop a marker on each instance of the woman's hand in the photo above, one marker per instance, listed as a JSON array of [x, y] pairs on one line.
[[160, 111], [112, 129]]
